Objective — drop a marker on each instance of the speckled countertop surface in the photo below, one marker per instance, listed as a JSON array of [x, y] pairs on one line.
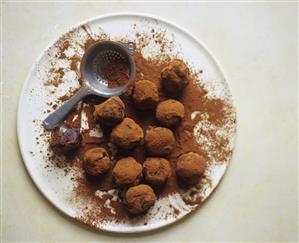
[[256, 44]]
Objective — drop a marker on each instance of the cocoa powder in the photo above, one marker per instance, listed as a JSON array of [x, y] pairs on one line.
[[194, 98], [116, 73], [66, 42]]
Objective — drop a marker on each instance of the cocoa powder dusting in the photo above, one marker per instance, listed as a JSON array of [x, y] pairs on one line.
[[116, 73], [56, 77], [75, 62], [68, 95], [63, 45], [194, 98]]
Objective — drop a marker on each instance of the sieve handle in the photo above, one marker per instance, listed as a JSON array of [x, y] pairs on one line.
[[57, 116], [130, 47]]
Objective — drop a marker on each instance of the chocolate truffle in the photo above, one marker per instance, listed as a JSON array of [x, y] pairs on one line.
[[139, 199], [127, 172], [170, 113], [156, 170], [145, 95], [96, 161], [65, 139], [127, 134], [110, 112], [159, 141], [175, 77], [190, 168]]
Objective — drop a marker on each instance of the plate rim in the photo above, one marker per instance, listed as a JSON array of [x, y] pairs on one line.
[[97, 18]]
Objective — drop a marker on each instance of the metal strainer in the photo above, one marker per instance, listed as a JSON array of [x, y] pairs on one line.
[[95, 81]]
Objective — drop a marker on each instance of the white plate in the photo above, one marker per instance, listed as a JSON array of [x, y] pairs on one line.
[[56, 187]]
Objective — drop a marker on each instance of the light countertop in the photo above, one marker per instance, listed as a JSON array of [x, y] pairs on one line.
[[257, 45]]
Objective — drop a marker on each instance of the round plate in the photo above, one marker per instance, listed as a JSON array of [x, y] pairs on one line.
[[34, 101]]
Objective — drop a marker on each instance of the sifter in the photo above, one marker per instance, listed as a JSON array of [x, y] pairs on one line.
[[97, 57]]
